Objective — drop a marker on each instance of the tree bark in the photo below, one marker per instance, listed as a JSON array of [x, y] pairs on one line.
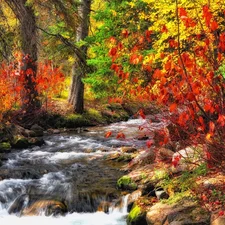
[[26, 16], [76, 97]]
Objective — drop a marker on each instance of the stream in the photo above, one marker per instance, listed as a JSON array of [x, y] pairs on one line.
[[67, 181]]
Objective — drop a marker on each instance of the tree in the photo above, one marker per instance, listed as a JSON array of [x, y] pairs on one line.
[[25, 14], [76, 97]]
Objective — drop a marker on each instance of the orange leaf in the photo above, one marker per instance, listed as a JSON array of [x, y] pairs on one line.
[[120, 135], [108, 134]]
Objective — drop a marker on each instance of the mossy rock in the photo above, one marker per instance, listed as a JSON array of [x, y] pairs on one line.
[[136, 216], [126, 183], [5, 146], [20, 142]]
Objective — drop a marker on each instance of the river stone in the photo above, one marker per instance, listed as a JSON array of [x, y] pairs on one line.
[[37, 141], [132, 198], [38, 130], [186, 213], [50, 207], [20, 142]]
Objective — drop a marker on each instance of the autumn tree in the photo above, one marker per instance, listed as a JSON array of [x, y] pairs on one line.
[[179, 57], [25, 14]]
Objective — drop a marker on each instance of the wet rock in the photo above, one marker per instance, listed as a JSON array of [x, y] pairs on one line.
[[39, 131], [20, 142], [50, 207], [136, 216], [37, 141], [132, 198], [18, 204], [104, 206]]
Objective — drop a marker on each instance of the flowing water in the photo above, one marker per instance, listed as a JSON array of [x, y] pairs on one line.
[[71, 173]]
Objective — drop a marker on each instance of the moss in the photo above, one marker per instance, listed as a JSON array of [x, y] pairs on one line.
[[136, 216], [94, 116], [4, 146], [126, 183], [135, 212], [178, 197]]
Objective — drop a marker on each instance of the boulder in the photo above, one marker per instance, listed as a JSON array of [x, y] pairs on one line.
[[37, 141], [20, 141], [39, 131], [180, 213], [132, 198]]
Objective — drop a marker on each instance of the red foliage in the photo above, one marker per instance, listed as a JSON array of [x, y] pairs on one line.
[[49, 82]]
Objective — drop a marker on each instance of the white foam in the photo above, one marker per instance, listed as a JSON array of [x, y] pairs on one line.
[[98, 218]]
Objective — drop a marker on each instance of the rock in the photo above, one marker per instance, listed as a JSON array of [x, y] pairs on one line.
[[128, 149], [161, 194], [165, 154], [126, 183], [148, 189], [37, 141], [136, 216], [50, 207], [218, 220], [142, 138], [186, 159], [39, 131], [18, 204], [56, 131], [20, 142], [185, 212], [132, 198], [28, 133], [104, 206], [144, 157]]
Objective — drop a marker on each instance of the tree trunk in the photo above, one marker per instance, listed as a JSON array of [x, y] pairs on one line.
[[25, 14], [76, 97]]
